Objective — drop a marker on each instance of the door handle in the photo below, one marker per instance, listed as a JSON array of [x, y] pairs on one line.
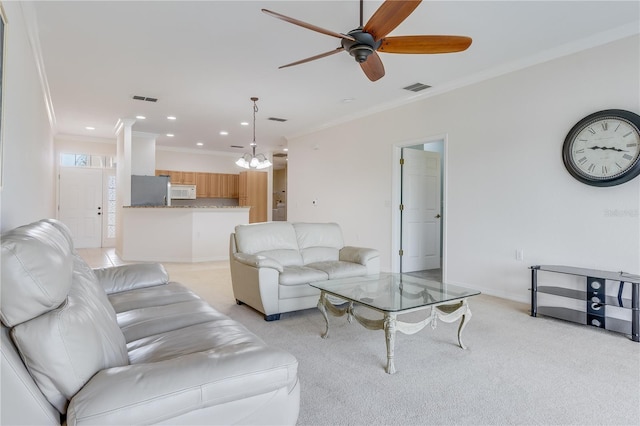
[[438, 216]]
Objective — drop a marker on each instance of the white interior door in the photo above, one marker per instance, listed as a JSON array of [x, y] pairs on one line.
[[421, 213], [80, 204]]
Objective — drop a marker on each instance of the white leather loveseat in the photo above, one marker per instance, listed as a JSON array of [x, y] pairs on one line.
[[272, 264], [124, 345]]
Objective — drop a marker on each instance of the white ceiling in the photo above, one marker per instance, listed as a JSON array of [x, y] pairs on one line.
[[203, 61]]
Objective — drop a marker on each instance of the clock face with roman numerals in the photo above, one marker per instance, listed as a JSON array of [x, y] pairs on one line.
[[603, 149]]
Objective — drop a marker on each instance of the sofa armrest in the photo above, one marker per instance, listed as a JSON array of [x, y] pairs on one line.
[[128, 277], [258, 261], [359, 255], [154, 392]]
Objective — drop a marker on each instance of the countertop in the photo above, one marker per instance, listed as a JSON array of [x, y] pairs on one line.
[[185, 207]]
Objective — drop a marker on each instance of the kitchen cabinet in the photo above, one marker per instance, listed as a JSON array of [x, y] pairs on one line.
[[188, 178], [176, 176], [233, 186], [229, 186], [252, 191], [202, 185], [208, 185], [214, 185]]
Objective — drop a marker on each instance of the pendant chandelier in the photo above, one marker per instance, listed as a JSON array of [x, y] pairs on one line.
[[251, 160]]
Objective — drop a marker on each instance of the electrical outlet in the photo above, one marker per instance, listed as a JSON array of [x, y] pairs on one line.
[[520, 255]]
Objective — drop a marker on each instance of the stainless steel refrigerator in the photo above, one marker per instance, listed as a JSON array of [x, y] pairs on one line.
[[150, 191]]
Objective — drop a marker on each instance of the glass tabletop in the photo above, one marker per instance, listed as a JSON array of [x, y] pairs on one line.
[[392, 292]]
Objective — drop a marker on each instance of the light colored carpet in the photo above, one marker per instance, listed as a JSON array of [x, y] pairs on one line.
[[518, 369]]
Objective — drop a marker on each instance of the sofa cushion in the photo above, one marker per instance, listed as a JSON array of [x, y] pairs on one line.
[[318, 235], [65, 347], [151, 296], [339, 269], [296, 275], [149, 321], [128, 277], [283, 257], [258, 237], [319, 242], [36, 271]]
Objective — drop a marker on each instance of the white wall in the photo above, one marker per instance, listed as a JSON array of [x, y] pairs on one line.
[[507, 187], [28, 181], [71, 144], [196, 160], [143, 154]]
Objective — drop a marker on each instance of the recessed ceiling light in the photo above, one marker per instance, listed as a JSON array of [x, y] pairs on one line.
[[244, 123], [141, 117], [286, 149], [199, 143], [224, 132], [90, 128], [170, 135], [171, 117]]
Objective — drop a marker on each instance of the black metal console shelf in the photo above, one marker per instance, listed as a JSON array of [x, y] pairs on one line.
[[594, 295]]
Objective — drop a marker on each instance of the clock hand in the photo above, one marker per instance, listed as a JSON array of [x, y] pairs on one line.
[[605, 148]]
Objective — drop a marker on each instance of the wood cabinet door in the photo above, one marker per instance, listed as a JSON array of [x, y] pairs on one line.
[[224, 186], [202, 185], [233, 186], [242, 185], [189, 178], [176, 177], [253, 192], [214, 185]]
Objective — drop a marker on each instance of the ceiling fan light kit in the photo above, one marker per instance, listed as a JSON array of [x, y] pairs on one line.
[[250, 160], [364, 42]]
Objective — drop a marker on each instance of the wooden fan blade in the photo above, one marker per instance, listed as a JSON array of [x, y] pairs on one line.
[[388, 16], [307, 26], [425, 44], [313, 58], [372, 67]]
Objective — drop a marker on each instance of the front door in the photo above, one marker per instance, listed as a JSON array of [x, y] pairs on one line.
[[421, 210], [80, 204]]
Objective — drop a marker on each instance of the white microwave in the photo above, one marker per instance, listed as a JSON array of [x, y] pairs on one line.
[[183, 192]]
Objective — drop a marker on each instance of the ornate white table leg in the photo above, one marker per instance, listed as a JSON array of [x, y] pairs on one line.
[[451, 313], [325, 305], [323, 309], [465, 319], [390, 334]]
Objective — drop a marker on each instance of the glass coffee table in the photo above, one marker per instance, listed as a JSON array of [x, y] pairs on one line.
[[393, 294]]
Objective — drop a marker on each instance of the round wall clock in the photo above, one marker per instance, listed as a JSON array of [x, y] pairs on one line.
[[603, 149]]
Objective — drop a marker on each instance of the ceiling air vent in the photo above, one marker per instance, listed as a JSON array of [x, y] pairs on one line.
[[280, 155], [416, 87], [282, 120], [144, 98], [237, 146]]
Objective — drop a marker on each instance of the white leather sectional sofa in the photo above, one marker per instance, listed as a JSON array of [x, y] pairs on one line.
[[125, 345], [272, 264]]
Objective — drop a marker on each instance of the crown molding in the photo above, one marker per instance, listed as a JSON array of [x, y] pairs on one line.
[[31, 25]]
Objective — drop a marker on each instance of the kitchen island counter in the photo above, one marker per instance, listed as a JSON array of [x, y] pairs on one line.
[[178, 233], [186, 207]]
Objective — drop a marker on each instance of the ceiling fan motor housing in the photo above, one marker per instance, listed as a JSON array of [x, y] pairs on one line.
[[363, 45]]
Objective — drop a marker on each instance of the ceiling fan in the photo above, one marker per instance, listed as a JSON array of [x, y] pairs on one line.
[[364, 42]]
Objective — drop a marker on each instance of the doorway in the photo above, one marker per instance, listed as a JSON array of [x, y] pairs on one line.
[[86, 204], [418, 230]]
